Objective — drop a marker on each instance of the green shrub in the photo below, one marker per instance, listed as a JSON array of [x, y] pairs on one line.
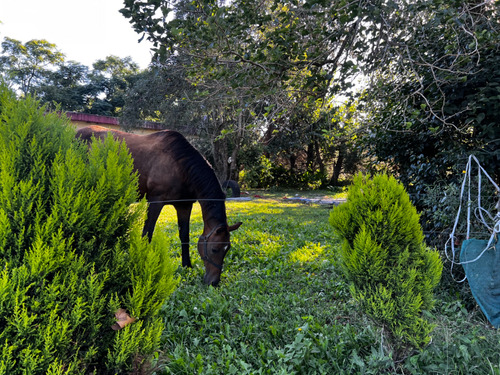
[[265, 174], [391, 271], [258, 175], [71, 252]]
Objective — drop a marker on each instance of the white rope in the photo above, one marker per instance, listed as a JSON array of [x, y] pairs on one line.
[[478, 212]]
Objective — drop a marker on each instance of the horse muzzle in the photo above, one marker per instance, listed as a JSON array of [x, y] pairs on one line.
[[210, 279]]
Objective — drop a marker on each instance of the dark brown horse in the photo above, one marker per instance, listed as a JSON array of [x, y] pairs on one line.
[[172, 171]]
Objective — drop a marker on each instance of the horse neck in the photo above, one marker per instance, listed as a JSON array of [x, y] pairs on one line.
[[207, 190], [213, 212]]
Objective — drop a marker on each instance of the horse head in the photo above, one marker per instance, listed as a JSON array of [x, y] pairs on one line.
[[213, 247]]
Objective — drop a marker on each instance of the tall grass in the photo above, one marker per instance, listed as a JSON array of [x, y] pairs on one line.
[[283, 307]]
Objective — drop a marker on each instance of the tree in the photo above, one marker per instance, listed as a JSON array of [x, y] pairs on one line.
[[339, 136], [36, 67], [68, 86], [108, 83], [102, 90], [319, 143], [286, 54], [26, 65], [269, 59], [266, 44], [161, 94]]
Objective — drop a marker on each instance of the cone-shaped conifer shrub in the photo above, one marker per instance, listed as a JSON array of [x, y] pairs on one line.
[[71, 252], [391, 271]]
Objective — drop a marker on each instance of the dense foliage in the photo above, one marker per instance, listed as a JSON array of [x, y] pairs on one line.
[[25, 65], [71, 251], [437, 101], [391, 271]]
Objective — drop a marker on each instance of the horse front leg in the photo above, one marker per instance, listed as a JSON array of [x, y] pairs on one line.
[[154, 210], [183, 216]]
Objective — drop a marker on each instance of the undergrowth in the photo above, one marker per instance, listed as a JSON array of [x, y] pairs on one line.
[[283, 307]]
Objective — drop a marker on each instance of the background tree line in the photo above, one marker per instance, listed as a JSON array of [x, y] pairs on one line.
[[38, 68]]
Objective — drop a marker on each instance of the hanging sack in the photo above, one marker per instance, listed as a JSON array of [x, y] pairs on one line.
[[483, 275], [480, 258]]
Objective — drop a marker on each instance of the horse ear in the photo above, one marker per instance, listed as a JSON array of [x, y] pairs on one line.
[[234, 226]]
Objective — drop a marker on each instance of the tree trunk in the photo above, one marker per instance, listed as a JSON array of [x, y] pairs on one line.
[[310, 155], [220, 157], [268, 136], [319, 159], [337, 168], [224, 160], [233, 165], [292, 159]]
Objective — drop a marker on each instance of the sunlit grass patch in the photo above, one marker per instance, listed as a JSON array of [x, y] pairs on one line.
[[272, 229], [307, 253]]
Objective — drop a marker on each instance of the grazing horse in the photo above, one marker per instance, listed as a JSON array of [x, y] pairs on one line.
[[172, 171]]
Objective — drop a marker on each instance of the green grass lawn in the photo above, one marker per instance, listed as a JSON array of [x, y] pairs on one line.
[[283, 306]]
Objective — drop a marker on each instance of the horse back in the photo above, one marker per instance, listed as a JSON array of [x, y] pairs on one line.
[[157, 159]]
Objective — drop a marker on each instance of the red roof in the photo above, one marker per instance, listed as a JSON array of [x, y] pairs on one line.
[[95, 119], [108, 120]]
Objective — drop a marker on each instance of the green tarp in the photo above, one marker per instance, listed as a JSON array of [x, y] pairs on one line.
[[483, 274]]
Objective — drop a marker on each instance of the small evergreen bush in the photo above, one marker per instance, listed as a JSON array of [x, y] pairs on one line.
[[391, 271], [71, 251]]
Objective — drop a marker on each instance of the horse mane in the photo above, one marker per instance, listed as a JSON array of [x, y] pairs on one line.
[[200, 173]]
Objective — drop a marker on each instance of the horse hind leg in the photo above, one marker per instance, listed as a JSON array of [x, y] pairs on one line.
[[154, 210]]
